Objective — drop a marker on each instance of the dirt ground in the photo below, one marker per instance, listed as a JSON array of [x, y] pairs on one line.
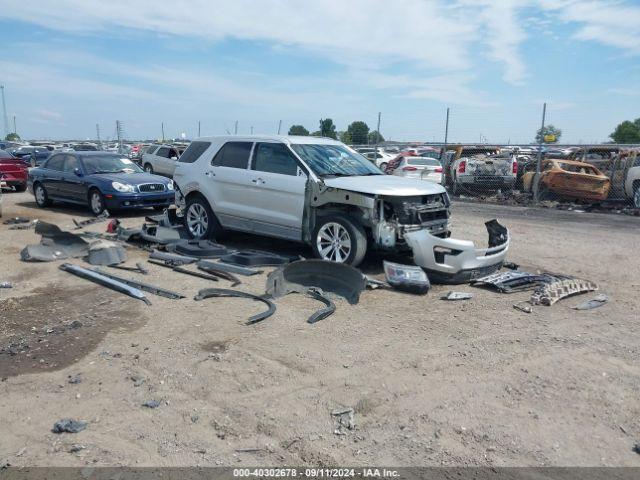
[[431, 382]]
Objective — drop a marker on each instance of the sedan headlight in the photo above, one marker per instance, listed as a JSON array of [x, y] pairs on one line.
[[170, 185], [123, 187]]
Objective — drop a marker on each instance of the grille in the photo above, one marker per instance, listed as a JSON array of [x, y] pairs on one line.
[[151, 187]]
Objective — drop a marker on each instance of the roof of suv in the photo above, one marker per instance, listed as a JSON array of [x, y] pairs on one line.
[[289, 139]]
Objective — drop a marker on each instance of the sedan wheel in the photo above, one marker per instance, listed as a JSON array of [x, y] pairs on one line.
[[197, 220], [42, 199], [96, 202], [148, 168]]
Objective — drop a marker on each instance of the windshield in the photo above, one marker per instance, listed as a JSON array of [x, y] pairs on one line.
[[109, 164], [335, 160]]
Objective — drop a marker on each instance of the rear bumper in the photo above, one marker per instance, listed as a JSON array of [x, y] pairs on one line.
[[126, 201], [486, 182], [452, 261]]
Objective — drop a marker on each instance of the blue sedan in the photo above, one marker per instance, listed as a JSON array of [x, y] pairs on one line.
[[100, 180]]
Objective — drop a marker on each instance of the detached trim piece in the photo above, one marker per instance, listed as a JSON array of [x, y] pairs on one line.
[[161, 292], [323, 313], [105, 281], [90, 221], [172, 258], [559, 289], [223, 292], [227, 267]]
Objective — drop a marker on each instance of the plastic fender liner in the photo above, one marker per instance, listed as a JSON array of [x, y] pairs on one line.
[[338, 278], [105, 281], [323, 313], [223, 292], [452, 261]]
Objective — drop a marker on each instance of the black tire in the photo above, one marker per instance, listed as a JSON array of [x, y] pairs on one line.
[[96, 202], [383, 167], [636, 195], [41, 196], [197, 210], [148, 168], [326, 229], [20, 188]]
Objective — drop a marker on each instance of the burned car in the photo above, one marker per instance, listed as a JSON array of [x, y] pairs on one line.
[[312, 190], [567, 179]]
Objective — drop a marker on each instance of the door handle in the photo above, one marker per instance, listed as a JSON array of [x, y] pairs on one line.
[[258, 181], [210, 174]]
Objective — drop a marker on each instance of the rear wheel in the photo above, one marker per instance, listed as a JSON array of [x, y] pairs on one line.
[[199, 219], [40, 193], [636, 195], [339, 239], [383, 166], [148, 168], [96, 202]]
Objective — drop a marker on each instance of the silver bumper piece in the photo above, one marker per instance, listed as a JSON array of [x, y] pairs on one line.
[[453, 261]]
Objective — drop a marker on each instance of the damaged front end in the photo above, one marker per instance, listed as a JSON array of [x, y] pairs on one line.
[[453, 261]]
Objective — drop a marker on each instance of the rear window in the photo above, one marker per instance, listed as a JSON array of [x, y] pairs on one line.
[[578, 168], [194, 151], [233, 154], [423, 161]]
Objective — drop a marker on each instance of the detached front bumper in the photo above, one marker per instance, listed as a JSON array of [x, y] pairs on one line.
[[452, 261]]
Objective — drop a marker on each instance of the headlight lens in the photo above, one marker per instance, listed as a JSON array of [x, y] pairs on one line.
[[170, 185], [123, 187]]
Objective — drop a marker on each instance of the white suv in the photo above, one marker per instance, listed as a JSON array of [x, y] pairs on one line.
[[161, 159], [312, 190]]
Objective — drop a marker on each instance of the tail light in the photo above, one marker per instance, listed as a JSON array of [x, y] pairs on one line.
[[462, 167], [515, 167], [409, 169], [438, 170]]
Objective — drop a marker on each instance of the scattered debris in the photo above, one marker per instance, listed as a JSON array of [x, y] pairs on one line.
[[331, 277], [161, 292], [523, 307], [560, 288], [160, 235], [457, 296], [595, 302], [198, 248], [168, 218], [75, 379], [257, 258], [509, 282], [210, 268], [113, 226], [105, 281], [55, 244], [85, 223], [69, 425], [139, 268], [151, 404], [6, 285], [172, 258], [16, 221], [104, 252], [222, 292], [138, 380], [323, 313], [345, 420], [227, 267], [373, 284], [76, 447], [184, 270], [510, 265], [407, 278], [24, 226]]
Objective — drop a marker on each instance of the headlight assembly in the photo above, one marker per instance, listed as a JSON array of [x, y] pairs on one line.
[[123, 187]]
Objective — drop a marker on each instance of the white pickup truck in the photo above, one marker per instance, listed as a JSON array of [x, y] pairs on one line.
[[624, 172]]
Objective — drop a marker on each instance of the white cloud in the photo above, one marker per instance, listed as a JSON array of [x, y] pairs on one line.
[[629, 92]]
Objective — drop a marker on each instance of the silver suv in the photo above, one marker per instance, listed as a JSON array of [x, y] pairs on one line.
[[312, 190], [161, 159]]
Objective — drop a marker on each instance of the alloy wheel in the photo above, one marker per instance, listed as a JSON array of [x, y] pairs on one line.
[[333, 242], [636, 197], [41, 197], [96, 203], [197, 220]]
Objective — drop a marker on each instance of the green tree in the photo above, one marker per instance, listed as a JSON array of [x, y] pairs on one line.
[[327, 128], [548, 130], [12, 137], [373, 139], [627, 132], [298, 130], [345, 137], [359, 132]]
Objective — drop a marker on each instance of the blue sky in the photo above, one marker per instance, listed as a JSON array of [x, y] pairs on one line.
[[69, 64]]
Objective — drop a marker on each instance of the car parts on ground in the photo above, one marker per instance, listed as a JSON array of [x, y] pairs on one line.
[[407, 278], [560, 288], [186, 271], [595, 302], [90, 221], [106, 281], [210, 268], [55, 244], [138, 268], [104, 252], [198, 248], [455, 296], [172, 258], [141, 285], [331, 277], [160, 235], [228, 267], [514, 281], [16, 220], [323, 313], [257, 258], [223, 292], [452, 261]]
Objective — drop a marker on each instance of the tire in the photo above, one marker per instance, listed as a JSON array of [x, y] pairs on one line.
[[20, 188], [148, 168], [199, 219], [41, 196], [338, 238], [636, 195], [96, 201], [383, 166]]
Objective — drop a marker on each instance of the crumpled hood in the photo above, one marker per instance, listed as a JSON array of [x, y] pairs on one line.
[[389, 185], [131, 178]]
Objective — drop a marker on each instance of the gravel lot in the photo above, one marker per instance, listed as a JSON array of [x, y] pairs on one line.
[[431, 382]]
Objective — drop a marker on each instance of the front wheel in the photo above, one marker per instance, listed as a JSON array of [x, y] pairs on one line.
[[383, 167], [96, 202], [199, 219], [42, 198], [339, 239], [148, 168], [636, 195]]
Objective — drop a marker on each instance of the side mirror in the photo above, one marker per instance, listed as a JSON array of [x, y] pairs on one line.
[[77, 171]]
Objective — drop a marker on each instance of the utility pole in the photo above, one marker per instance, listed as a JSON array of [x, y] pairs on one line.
[[4, 112], [235, 130], [377, 135], [544, 113], [162, 126], [15, 129], [198, 128], [279, 126], [119, 131], [443, 153]]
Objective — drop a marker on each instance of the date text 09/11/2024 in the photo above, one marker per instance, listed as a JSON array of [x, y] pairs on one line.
[[316, 472]]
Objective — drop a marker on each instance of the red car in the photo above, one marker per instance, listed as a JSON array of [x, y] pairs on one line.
[[14, 171]]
